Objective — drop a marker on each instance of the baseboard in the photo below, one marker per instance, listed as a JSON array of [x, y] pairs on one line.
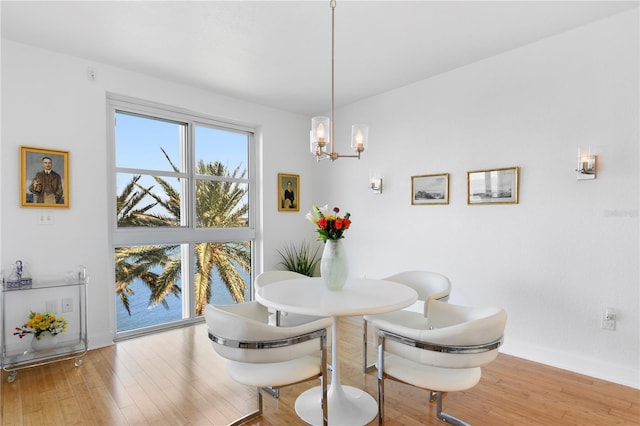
[[589, 367]]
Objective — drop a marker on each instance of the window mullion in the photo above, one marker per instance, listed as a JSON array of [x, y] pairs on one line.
[[188, 252], [187, 257]]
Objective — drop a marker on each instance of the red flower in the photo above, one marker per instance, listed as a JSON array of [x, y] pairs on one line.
[[329, 226]]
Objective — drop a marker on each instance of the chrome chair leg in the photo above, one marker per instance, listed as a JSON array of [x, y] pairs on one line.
[[380, 381], [323, 381], [365, 333], [251, 416], [271, 391], [444, 416], [364, 347]]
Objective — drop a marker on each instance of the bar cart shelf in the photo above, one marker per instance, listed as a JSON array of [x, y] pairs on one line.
[[66, 298]]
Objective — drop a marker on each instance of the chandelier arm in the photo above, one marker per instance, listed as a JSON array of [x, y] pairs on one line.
[[322, 155], [347, 156]]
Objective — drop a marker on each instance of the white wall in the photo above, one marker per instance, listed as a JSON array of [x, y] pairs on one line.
[[569, 249], [48, 102], [554, 261]]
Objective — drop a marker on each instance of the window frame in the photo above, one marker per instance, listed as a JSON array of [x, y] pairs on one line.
[[188, 234]]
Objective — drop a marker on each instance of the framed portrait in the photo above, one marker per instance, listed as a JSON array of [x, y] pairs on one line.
[[496, 186], [44, 178], [430, 189], [288, 192]]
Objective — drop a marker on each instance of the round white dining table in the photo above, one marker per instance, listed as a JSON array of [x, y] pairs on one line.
[[347, 405]]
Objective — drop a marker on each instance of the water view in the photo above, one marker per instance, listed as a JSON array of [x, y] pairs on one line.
[[144, 316]]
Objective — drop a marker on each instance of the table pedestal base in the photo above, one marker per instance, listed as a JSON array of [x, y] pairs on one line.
[[347, 406]]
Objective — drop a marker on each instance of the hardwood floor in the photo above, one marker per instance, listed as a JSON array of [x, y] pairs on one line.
[[175, 378]]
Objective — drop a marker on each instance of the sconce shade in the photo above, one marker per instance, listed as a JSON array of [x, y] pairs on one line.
[[586, 165], [375, 182]]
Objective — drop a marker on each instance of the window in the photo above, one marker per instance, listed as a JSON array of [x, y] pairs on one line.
[[182, 225]]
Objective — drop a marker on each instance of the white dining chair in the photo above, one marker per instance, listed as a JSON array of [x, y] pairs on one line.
[[444, 354], [279, 318], [261, 355], [429, 285]]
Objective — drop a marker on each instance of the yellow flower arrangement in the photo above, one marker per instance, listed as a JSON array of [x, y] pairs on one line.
[[40, 323]]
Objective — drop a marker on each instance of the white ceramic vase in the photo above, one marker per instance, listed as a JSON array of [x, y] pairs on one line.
[[333, 265], [47, 341]]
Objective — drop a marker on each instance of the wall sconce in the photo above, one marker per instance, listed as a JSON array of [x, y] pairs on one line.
[[586, 165], [375, 182]]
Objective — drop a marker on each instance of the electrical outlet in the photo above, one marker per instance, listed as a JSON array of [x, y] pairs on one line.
[[45, 219], [608, 320], [67, 304], [52, 306]]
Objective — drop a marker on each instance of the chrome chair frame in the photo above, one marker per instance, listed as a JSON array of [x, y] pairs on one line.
[[279, 343], [384, 335], [401, 277], [264, 279]]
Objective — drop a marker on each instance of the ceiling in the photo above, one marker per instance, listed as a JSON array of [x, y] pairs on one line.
[[278, 53]]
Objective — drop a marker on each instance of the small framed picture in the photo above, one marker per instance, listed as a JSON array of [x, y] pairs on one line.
[[288, 192], [44, 178], [430, 189], [496, 186]]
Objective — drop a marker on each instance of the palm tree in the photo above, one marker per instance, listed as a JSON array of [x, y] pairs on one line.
[[218, 204]]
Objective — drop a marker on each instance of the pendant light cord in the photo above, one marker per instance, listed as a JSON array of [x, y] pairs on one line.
[[333, 13]]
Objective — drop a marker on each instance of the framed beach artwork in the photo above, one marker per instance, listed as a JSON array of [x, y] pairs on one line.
[[288, 192], [44, 178], [430, 189], [494, 186]]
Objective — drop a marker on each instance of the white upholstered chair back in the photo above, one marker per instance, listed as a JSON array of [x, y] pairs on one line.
[[267, 357], [445, 353], [249, 322], [282, 318], [269, 277], [428, 285], [452, 326]]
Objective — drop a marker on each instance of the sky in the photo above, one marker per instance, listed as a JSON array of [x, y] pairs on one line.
[[140, 140]]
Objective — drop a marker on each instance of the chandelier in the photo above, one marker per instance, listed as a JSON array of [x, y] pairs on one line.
[[322, 127]]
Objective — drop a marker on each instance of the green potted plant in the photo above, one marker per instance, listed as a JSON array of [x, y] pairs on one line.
[[300, 258]]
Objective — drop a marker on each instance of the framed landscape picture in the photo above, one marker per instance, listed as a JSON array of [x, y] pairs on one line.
[[430, 189], [495, 186], [44, 178], [288, 192]]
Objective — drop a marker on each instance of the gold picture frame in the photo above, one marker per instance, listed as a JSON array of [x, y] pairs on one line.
[[493, 186], [430, 189], [288, 192], [38, 188]]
